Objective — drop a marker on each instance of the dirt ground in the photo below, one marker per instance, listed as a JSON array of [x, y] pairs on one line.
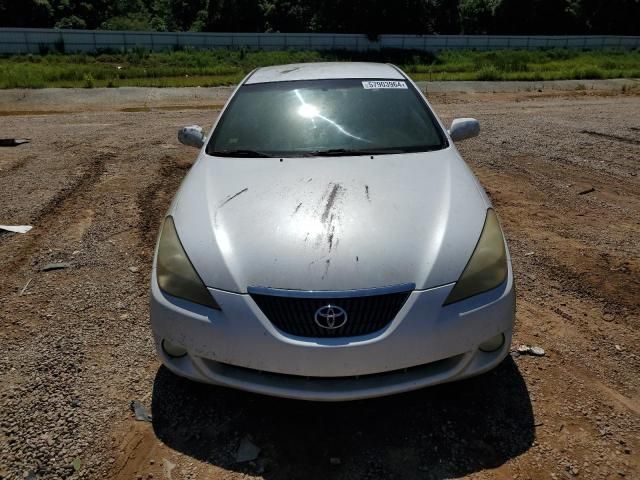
[[562, 170]]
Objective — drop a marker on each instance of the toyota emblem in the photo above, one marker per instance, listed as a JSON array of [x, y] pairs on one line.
[[330, 317]]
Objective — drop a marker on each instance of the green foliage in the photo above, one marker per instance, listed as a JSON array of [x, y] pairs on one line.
[[131, 21], [72, 21], [88, 80], [488, 72], [76, 464], [139, 67], [476, 16], [372, 17], [182, 14]]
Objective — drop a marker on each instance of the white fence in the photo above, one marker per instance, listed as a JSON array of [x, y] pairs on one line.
[[37, 40]]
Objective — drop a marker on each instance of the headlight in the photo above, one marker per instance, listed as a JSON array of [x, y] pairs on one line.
[[176, 275], [487, 267]]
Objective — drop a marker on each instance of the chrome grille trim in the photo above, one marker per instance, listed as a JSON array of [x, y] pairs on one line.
[[368, 311], [362, 292]]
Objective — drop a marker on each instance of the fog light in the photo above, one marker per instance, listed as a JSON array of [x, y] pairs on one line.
[[172, 349], [493, 344]]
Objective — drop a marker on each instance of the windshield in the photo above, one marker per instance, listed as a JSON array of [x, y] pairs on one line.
[[326, 117]]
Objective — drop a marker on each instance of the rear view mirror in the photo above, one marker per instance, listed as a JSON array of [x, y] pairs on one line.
[[462, 128], [192, 135]]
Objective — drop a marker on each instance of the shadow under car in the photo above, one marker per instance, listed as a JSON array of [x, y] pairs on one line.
[[439, 432]]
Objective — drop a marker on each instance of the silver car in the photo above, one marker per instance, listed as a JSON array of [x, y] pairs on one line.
[[329, 243]]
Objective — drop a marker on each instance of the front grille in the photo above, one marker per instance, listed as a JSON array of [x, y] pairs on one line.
[[296, 315]]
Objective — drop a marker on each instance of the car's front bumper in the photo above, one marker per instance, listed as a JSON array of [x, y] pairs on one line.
[[425, 344]]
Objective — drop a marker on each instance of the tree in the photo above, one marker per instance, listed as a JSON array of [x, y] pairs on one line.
[[183, 13], [26, 13], [476, 16], [446, 18], [287, 15], [601, 17], [235, 16], [373, 17], [526, 17], [132, 21]]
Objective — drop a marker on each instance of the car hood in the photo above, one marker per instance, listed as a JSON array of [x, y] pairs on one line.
[[330, 223]]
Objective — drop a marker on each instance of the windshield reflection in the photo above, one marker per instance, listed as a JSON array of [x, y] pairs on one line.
[[311, 112]]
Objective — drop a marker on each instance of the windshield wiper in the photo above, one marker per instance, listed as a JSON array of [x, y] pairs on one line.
[[344, 152], [239, 153]]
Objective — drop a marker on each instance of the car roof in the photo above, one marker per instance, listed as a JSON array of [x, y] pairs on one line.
[[324, 71]]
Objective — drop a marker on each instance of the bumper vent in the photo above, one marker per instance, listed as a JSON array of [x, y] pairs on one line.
[[331, 314]]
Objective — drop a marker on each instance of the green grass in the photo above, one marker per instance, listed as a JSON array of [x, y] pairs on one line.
[[227, 67], [529, 65]]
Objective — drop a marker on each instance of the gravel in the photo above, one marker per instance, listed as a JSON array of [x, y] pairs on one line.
[[77, 346]]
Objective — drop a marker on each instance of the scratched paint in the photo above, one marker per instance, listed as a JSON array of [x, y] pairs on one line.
[[231, 197], [336, 191], [327, 265], [226, 201]]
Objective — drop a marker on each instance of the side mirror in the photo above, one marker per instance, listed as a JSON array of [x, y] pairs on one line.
[[462, 128], [192, 136]]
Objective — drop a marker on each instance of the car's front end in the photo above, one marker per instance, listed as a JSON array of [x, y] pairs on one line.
[[423, 344], [336, 278]]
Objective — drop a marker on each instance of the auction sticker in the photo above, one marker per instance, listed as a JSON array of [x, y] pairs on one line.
[[371, 84]]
